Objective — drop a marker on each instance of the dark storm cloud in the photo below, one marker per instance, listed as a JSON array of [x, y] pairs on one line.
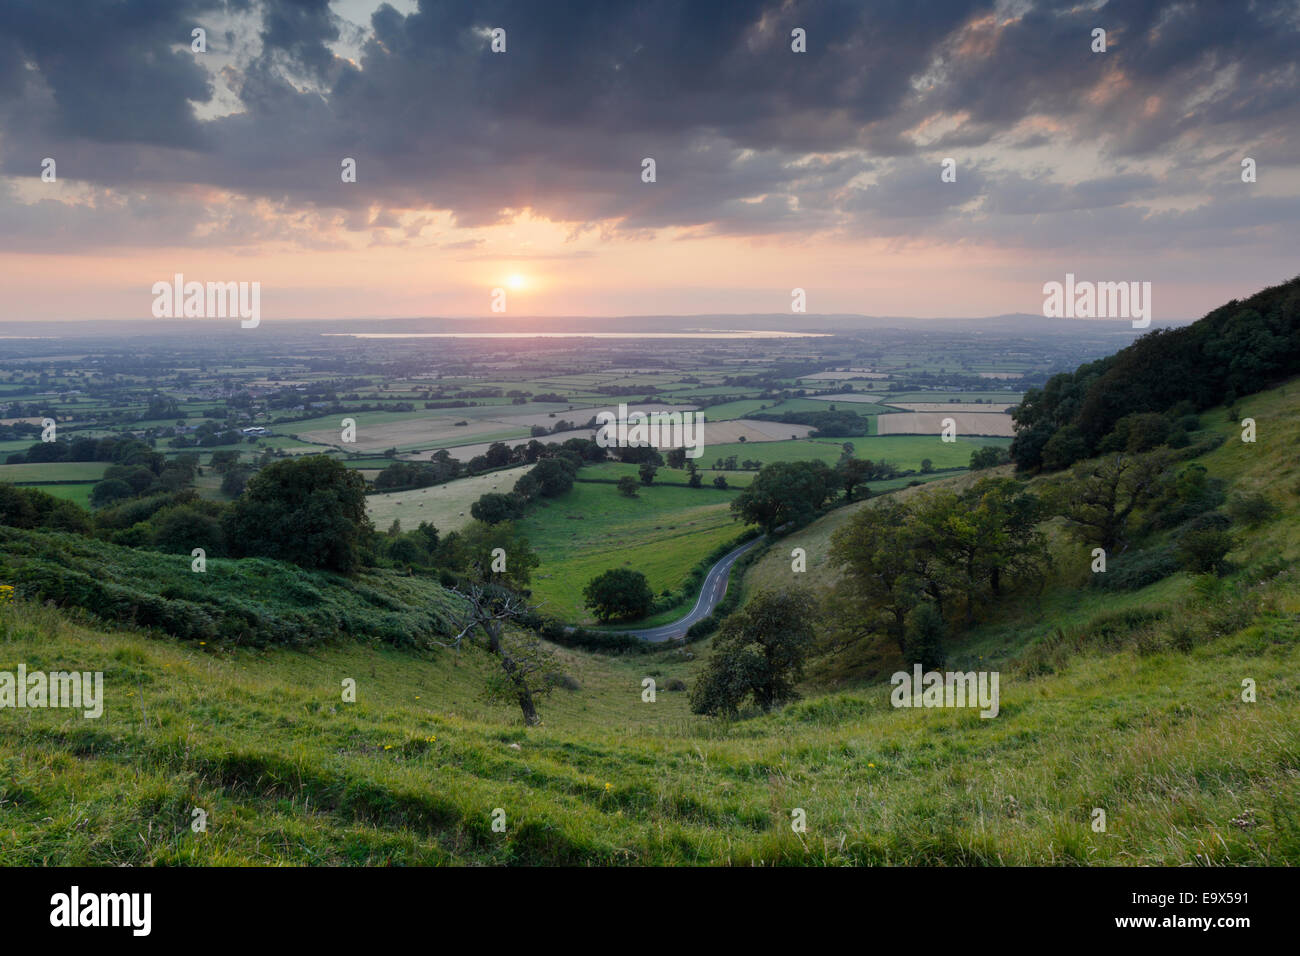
[[748, 136], [111, 72]]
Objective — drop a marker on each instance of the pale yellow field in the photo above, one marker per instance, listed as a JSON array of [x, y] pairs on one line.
[[948, 407], [441, 429], [931, 423], [392, 434], [850, 397], [843, 376], [446, 507], [714, 433]]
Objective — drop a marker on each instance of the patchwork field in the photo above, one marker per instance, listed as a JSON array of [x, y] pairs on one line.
[[931, 423], [408, 433]]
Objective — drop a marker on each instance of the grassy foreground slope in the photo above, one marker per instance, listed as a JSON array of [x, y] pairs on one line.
[[1129, 702], [412, 772]]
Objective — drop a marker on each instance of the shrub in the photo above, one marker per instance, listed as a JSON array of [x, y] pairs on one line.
[[1203, 550], [1136, 570], [1251, 508]]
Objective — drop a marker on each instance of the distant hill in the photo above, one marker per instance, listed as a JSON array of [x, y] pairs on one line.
[[1238, 349]]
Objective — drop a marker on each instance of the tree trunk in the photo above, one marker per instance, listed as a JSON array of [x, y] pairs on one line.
[[517, 678]]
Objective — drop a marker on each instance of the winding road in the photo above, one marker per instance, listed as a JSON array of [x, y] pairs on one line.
[[715, 586]]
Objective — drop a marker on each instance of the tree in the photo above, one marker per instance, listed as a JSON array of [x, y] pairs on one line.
[[223, 461], [647, 472], [179, 530], [758, 653], [990, 456], [784, 492], [234, 480], [309, 510], [1101, 495], [526, 665], [693, 473], [498, 454], [627, 485], [494, 507], [876, 550], [31, 508], [619, 594], [495, 554], [852, 472], [554, 476], [923, 643], [720, 481], [108, 491]]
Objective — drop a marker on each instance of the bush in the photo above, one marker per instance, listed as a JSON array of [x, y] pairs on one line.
[[1136, 570], [181, 529], [557, 633], [35, 509], [109, 491], [1204, 550], [1251, 508], [254, 601]]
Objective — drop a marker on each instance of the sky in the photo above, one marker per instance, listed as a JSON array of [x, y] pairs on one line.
[[522, 170]]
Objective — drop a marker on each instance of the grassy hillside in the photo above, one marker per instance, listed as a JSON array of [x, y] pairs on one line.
[[412, 772], [1129, 702]]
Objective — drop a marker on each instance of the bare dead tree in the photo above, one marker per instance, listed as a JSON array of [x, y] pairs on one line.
[[489, 609]]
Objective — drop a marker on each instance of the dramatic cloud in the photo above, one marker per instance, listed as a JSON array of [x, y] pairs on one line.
[[1052, 140]]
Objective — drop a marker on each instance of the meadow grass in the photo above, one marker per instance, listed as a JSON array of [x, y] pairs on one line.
[[412, 772]]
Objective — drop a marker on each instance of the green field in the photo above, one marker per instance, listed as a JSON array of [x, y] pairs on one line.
[[824, 405], [80, 492], [904, 451], [663, 532], [54, 471]]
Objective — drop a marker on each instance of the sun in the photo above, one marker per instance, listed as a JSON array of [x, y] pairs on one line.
[[517, 281]]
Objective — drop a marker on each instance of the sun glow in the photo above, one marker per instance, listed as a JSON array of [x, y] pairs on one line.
[[517, 281]]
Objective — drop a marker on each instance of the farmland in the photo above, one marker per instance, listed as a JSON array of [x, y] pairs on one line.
[[412, 399]]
